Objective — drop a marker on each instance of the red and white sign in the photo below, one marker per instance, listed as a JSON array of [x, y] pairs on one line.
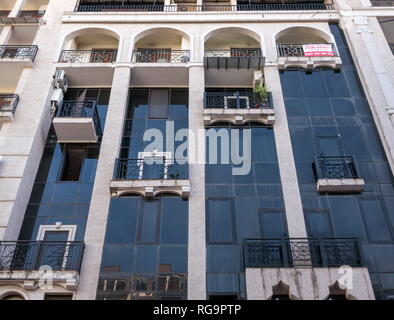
[[317, 50]]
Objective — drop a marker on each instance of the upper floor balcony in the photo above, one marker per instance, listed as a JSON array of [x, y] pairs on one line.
[[24, 262], [8, 103], [337, 174], [308, 48], [30, 12], [299, 252], [88, 56], [191, 6], [161, 56], [238, 108], [18, 54], [77, 122], [151, 174]]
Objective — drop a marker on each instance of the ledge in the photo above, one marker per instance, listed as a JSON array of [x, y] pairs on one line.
[[239, 116], [309, 62], [29, 279], [75, 130], [6, 116], [340, 185], [150, 188]]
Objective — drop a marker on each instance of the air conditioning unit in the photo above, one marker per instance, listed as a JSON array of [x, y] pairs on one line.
[[57, 96], [60, 80]]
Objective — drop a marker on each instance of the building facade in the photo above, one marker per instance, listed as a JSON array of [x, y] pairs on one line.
[[196, 149]]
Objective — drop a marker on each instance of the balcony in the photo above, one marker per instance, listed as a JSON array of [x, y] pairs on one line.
[[382, 3], [337, 174], [77, 122], [8, 103], [237, 108], [20, 261], [308, 56], [149, 176], [243, 58], [21, 54], [158, 6], [88, 56], [161, 56], [311, 252]]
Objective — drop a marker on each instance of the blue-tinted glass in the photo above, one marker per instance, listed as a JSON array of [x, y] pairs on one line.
[[336, 83], [220, 221], [149, 221], [246, 219], [313, 84], [320, 107], [296, 108], [173, 259], [223, 283], [343, 107], [318, 223], [174, 221], [117, 258], [266, 173], [224, 259], [146, 259], [272, 224]]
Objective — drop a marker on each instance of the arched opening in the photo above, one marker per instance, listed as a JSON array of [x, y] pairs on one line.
[[90, 46], [13, 295], [162, 45], [231, 48], [281, 291]]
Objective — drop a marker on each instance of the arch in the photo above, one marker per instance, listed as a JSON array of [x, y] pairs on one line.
[[299, 32], [14, 293], [240, 30], [155, 30], [282, 289]]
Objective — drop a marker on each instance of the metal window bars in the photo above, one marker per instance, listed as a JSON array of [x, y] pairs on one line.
[[335, 167], [88, 56], [293, 252], [297, 50], [161, 56], [31, 255], [145, 169], [8, 102], [18, 52], [236, 100]]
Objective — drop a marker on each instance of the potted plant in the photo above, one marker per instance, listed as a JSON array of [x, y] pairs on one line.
[[262, 91]]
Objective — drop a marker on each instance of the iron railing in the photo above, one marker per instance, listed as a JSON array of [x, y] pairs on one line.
[[297, 50], [8, 102], [88, 56], [293, 252], [80, 109], [31, 13], [269, 6], [236, 100], [161, 56], [238, 53], [382, 3], [335, 167], [144, 169], [31, 255], [18, 52]]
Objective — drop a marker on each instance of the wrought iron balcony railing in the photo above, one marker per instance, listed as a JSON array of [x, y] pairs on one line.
[[335, 167], [146, 169], [161, 56], [382, 3], [18, 52], [31, 255], [88, 56], [313, 252], [235, 53], [8, 102], [236, 100], [297, 50], [80, 109], [263, 6]]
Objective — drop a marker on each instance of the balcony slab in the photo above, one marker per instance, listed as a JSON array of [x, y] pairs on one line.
[[150, 188], [75, 130], [6, 116], [309, 62], [22, 62], [29, 280], [340, 185], [239, 116]]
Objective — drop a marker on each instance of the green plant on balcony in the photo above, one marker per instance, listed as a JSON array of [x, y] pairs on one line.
[[262, 90]]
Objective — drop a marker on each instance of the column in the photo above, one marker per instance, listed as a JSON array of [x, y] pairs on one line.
[[17, 7], [197, 240], [287, 168], [375, 77], [101, 196]]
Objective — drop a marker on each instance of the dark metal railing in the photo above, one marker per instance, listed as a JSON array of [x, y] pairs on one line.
[[382, 3], [31, 13], [18, 52], [236, 100], [88, 56], [31, 255], [297, 50], [293, 252], [8, 102], [238, 53], [161, 56], [335, 167], [146, 169], [80, 109], [392, 47], [302, 5]]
